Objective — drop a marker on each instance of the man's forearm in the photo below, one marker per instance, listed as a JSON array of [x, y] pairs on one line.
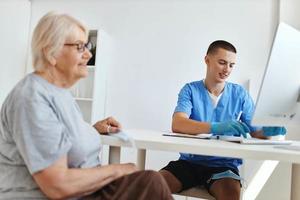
[[190, 126]]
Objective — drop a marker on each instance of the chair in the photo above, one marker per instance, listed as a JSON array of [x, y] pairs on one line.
[[198, 192]]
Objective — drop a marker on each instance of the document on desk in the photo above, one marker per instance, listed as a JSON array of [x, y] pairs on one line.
[[236, 139], [256, 141], [198, 136]]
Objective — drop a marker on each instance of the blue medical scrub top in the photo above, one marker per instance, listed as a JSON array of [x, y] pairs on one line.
[[194, 100]]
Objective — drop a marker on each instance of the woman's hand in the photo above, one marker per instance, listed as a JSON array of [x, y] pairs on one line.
[[108, 125]]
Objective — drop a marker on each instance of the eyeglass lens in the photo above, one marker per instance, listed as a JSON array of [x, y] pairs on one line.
[[81, 47]]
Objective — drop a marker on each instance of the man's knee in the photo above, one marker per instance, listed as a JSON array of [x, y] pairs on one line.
[[226, 188]]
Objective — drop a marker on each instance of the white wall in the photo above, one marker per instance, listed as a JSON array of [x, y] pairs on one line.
[[289, 12], [160, 45], [14, 23]]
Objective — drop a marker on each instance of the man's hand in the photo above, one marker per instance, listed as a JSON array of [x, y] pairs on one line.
[[108, 125], [273, 130], [229, 128]]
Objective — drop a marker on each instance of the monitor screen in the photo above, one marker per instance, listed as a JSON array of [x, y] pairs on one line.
[[278, 98]]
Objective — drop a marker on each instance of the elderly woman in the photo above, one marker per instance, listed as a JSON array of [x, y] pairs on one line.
[[46, 148]]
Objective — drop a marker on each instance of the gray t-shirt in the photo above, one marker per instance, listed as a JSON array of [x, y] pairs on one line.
[[39, 124]]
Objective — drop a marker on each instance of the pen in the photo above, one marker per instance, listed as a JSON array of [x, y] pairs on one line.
[[238, 119], [239, 116]]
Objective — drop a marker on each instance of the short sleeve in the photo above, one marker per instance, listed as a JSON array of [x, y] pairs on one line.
[[248, 110], [184, 102], [38, 134]]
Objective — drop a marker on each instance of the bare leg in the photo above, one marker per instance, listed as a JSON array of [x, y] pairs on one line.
[[226, 189], [173, 183]]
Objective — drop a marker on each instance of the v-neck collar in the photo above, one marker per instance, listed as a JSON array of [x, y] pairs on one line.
[[222, 100]]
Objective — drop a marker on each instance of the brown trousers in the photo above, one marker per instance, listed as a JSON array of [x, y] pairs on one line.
[[142, 185]]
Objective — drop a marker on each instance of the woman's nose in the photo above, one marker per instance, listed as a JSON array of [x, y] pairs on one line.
[[87, 54]]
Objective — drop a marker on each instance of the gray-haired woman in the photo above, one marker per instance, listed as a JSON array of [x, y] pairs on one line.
[[46, 148]]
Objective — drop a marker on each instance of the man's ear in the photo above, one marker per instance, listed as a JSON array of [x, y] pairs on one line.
[[206, 59], [50, 58]]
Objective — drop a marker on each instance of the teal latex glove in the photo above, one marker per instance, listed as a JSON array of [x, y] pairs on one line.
[[230, 128], [273, 130]]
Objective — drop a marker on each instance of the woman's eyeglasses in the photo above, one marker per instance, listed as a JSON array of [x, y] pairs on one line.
[[81, 46]]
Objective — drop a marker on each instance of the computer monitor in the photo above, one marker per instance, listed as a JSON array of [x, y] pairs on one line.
[[278, 102]]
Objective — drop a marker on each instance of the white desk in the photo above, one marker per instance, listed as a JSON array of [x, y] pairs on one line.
[[154, 140]]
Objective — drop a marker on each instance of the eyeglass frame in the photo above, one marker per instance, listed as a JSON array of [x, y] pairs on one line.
[[81, 46]]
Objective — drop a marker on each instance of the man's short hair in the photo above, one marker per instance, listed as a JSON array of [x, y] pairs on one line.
[[214, 46]]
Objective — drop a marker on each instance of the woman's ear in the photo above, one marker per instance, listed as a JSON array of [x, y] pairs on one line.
[[50, 58]]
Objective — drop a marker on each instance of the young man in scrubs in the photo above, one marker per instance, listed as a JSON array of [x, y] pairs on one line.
[[213, 105]]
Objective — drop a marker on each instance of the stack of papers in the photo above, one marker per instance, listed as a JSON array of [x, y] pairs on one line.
[[236, 139], [243, 140], [198, 136]]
